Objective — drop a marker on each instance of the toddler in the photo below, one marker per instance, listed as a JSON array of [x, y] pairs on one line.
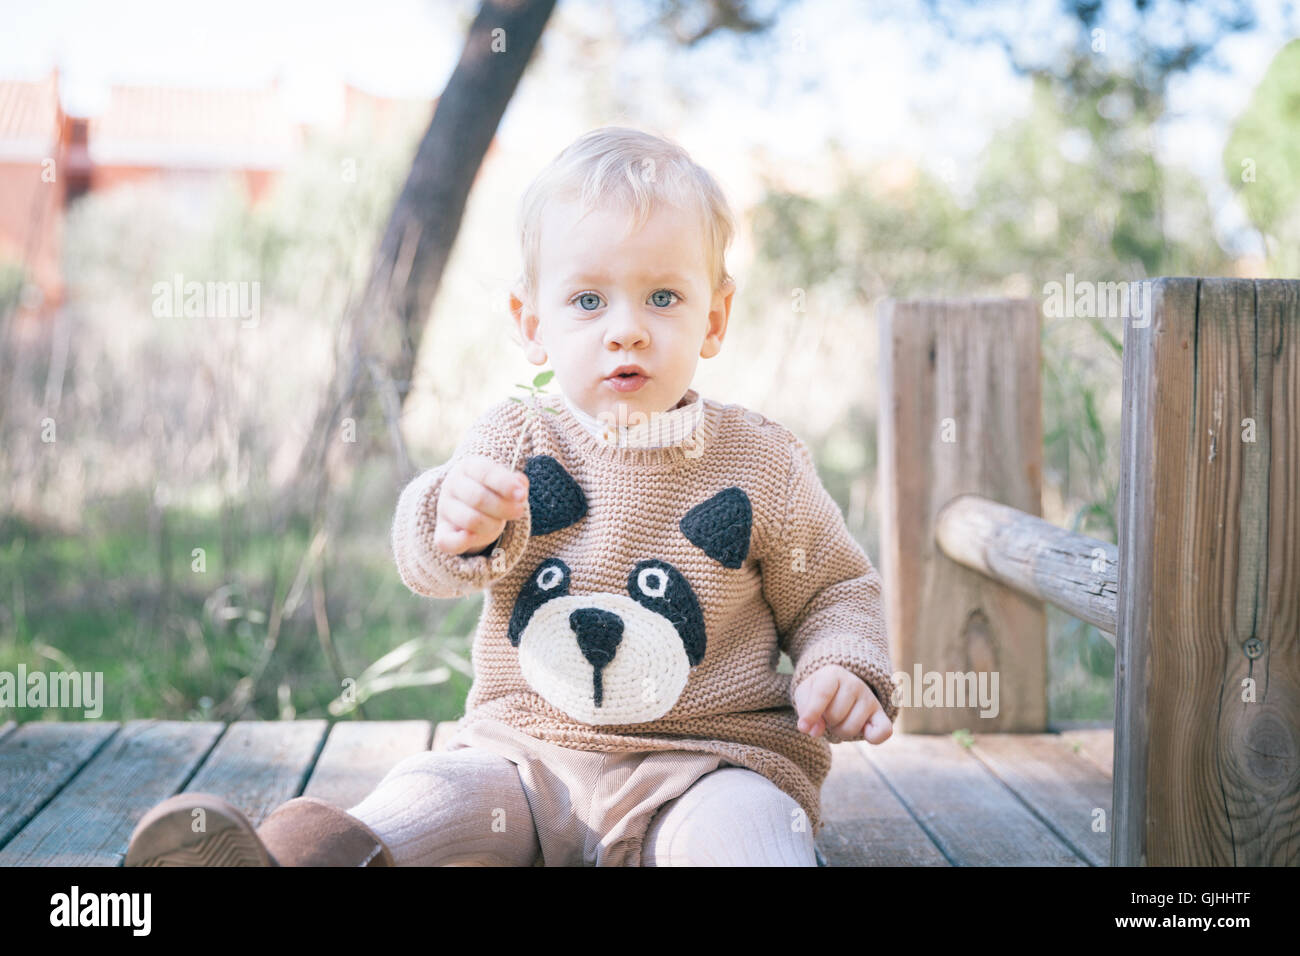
[[644, 564]]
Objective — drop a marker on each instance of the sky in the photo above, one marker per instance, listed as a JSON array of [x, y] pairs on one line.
[[833, 68]]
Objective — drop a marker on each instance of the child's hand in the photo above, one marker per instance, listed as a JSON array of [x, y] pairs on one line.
[[478, 497], [837, 698]]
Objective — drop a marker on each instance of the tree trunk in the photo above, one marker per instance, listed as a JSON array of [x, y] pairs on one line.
[[383, 329]]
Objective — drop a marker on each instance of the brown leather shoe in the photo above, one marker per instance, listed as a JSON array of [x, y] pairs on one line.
[[304, 831], [307, 831]]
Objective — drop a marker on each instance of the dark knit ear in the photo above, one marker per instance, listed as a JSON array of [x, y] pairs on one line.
[[720, 526], [554, 498]]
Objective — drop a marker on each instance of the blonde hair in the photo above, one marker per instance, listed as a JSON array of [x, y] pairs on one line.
[[636, 170]]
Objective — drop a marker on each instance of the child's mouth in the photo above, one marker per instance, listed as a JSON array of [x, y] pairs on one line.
[[626, 382]]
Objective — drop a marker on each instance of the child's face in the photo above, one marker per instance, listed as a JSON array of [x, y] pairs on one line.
[[605, 299]]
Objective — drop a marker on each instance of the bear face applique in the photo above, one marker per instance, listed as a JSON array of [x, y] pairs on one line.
[[616, 658]]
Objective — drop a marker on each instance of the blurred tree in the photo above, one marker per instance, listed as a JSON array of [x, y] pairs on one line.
[[1262, 160], [382, 328], [1111, 63], [1046, 199]]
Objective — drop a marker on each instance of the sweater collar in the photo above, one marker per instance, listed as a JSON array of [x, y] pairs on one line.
[[664, 429]]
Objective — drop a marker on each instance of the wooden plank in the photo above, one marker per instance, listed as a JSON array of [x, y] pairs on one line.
[[259, 764], [1210, 578], [357, 755], [1067, 791], [960, 413], [1097, 745], [968, 813], [37, 760], [866, 824], [1135, 510], [445, 730], [89, 822]]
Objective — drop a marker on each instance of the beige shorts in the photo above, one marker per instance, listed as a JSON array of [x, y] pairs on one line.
[[590, 808]]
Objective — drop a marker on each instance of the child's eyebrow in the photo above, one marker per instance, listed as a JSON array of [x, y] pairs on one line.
[[596, 278]]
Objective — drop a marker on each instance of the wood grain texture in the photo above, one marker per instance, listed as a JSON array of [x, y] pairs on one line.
[[259, 764], [970, 815], [966, 371], [357, 755], [866, 824], [1066, 791], [37, 760], [1074, 572], [1096, 745], [1209, 520], [89, 822]]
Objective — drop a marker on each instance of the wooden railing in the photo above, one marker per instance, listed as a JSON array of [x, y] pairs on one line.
[[1202, 595], [1076, 573]]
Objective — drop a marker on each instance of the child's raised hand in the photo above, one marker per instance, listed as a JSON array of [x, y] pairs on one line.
[[478, 497], [836, 698]]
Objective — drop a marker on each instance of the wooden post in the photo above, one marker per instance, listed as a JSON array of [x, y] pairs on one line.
[[1207, 665], [960, 411]]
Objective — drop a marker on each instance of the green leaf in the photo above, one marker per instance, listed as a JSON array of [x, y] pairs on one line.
[[515, 398], [543, 377]]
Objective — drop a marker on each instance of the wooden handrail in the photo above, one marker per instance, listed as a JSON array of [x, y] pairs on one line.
[[1201, 600], [1071, 571]]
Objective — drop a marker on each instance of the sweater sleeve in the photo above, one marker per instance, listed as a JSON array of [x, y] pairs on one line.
[[824, 591], [426, 569]]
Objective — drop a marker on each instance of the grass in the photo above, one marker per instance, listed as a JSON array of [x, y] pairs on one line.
[[123, 598]]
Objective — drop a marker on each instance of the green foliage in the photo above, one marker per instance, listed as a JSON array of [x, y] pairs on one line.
[[12, 278], [1262, 158], [1071, 187]]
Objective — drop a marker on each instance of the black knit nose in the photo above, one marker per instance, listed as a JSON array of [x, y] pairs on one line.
[[599, 633]]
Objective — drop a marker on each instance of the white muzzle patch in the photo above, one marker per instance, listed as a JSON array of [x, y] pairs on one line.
[[624, 666]]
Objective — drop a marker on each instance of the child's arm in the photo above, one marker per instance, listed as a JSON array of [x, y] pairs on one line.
[[426, 568], [825, 595]]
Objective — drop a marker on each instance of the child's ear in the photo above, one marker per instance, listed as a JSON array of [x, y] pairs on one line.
[[719, 312], [526, 321]]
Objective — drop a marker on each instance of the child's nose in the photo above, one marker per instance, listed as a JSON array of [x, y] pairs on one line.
[[625, 327]]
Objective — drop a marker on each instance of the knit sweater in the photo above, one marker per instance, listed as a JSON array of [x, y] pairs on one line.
[[642, 600]]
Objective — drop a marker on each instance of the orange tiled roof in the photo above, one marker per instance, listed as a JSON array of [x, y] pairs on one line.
[[29, 118], [174, 126]]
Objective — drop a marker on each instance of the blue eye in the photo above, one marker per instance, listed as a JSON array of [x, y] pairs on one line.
[[588, 301], [654, 297]]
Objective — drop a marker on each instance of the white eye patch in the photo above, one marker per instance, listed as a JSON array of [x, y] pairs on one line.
[[549, 577], [652, 582]]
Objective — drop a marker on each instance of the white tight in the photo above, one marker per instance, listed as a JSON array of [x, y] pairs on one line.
[[469, 807]]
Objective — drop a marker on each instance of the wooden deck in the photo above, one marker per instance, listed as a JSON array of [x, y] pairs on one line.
[[71, 793]]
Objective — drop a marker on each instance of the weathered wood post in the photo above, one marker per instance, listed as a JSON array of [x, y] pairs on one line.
[[960, 411], [1207, 666]]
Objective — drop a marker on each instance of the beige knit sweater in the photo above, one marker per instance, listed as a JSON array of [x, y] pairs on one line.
[[642, 600]]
